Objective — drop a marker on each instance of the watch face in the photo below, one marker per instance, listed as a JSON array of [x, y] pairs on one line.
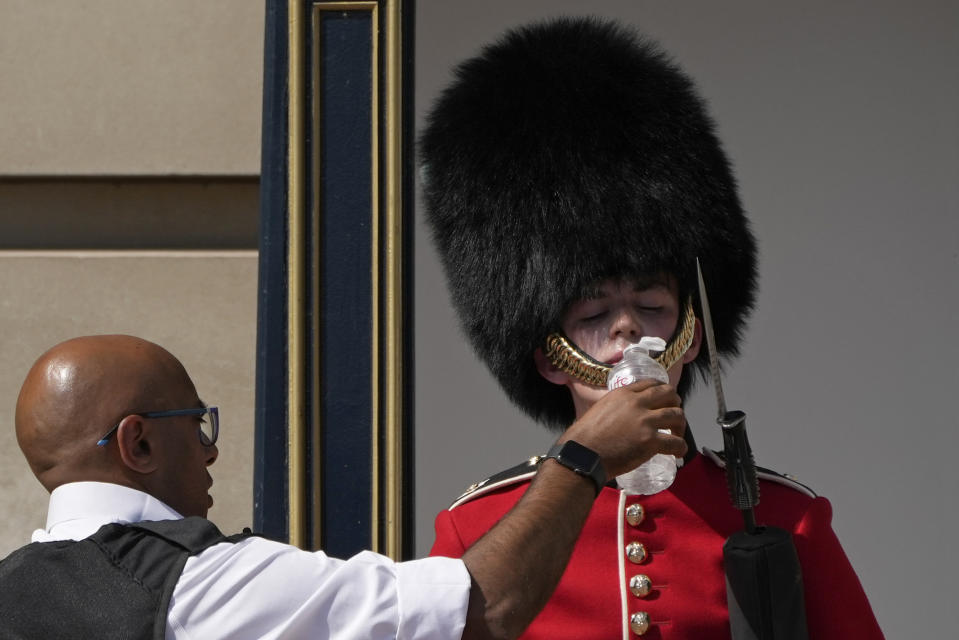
[[578, 455]]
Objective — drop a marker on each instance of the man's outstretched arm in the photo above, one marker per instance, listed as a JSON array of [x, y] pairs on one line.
[[516, 565]]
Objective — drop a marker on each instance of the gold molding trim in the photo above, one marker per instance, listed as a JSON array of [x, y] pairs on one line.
[[296, 448], [393, 545], [386, 229], [316, 461], [388, 322]]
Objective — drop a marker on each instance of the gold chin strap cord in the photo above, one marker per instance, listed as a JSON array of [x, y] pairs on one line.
[[567, 357]]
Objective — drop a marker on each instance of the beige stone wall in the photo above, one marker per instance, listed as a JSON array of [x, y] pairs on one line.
[[199, 305], [130, 87], [129, 162]]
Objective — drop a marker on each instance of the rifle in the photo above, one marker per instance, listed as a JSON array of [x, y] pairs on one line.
[[764, 589]]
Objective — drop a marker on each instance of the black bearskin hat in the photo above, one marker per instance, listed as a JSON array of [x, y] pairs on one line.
[[569, 152]]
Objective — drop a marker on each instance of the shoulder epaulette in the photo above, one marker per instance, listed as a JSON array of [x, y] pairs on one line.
[[719, 459], [513, 475]]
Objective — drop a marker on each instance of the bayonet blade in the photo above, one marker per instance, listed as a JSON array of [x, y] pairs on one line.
[[711, 345]]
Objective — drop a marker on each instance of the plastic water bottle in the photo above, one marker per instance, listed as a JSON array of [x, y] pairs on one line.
[[657, 473]]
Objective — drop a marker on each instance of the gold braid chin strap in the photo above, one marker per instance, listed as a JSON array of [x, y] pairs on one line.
[[567, 357]]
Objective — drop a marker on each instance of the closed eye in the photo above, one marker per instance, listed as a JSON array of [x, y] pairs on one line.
[[593, 317]]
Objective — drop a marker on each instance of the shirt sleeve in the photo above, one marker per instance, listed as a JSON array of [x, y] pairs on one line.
[[262, 589]]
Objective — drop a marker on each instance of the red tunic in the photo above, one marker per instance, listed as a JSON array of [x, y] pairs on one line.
[[683, 530]]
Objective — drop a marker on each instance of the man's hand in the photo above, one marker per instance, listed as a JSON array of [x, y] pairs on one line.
[[518, 563], [623, 426]]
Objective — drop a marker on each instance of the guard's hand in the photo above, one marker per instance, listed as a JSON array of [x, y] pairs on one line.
[[623, 426]]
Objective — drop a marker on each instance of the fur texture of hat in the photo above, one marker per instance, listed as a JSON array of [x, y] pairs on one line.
[[568, 152]]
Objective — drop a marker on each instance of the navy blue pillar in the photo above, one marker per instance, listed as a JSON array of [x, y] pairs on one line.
[[333, 464]]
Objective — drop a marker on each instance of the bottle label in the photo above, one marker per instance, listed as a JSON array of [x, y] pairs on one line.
[[620, 379]]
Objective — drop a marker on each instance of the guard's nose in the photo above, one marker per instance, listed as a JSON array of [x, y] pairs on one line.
[[626, 325]]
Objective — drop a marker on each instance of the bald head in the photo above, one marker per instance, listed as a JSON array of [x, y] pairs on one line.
[[78, 390]]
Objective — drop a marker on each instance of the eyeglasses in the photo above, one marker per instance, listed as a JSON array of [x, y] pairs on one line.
[[208, 432]]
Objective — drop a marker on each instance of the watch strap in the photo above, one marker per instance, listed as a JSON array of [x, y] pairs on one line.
[[581, 460]]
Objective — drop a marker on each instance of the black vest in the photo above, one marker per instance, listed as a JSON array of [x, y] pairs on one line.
[[116, 584]]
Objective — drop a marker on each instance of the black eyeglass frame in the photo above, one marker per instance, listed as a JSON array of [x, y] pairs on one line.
[[205, 440]]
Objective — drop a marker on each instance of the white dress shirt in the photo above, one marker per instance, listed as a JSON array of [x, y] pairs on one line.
[[262, 589]]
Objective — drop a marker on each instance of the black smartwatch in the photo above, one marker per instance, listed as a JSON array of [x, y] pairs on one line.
[[581, 460]]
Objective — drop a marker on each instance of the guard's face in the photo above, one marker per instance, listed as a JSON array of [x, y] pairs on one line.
[[618, 313]]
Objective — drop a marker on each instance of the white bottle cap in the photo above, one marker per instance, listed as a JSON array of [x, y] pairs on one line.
[[646, 344]]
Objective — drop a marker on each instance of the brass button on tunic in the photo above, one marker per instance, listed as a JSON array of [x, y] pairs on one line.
[[635, 514], [640, 585], [636, 552], [639, 622]]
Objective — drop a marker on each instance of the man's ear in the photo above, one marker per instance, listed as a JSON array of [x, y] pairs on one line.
[[548, 370], [135, 446], [693, 350]]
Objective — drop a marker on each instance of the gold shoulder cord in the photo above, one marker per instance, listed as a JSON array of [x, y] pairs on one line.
[[567, 357]]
